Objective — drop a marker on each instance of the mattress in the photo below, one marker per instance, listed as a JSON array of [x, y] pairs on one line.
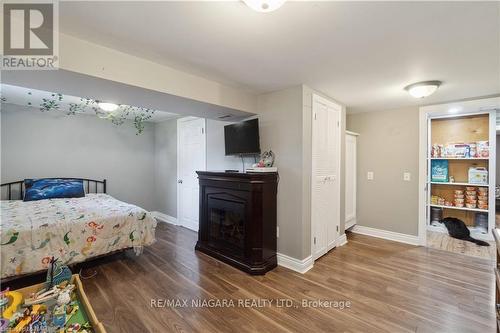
[[72, 230]]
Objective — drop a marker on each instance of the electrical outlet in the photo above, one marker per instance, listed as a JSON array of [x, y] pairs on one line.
[[406, 176], [369, 175]]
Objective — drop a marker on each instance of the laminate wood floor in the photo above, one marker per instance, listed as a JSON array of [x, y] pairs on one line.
[[392, 287], [442, 241]]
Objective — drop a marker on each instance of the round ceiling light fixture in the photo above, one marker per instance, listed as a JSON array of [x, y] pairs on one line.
[[108, 107], [264, 6], [423, 89]]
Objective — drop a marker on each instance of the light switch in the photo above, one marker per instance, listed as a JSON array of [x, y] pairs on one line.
[[406, 176], [369, 175]]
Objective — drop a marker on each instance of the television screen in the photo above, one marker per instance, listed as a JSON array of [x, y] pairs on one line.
[[242, 138]]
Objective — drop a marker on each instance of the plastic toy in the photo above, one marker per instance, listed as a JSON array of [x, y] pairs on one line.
[[4, 323], [57, 273], [59, 316], [31, 314], [15, 299]]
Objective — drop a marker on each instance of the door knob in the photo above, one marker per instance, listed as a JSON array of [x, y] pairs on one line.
[[180, 181]]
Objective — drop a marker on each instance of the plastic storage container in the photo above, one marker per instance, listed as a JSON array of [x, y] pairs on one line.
[[436, 215], [478, 175], [481, 222]]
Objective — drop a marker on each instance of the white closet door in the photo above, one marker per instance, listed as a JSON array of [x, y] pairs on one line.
[[325, 192], [191, 157], [350, 180]]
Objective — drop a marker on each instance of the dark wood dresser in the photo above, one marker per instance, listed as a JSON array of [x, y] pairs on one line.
[[238, 219]]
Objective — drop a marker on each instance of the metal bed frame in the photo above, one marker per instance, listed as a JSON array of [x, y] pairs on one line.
[[19, 186]]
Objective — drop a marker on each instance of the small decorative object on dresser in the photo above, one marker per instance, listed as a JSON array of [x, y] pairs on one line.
[[265, 164], [238, 219]]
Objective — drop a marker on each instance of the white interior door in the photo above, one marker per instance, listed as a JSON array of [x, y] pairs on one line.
[[325, 192], [191, 157], [350, 180]]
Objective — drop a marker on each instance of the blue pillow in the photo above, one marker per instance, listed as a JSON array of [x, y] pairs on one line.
[[50, 188]]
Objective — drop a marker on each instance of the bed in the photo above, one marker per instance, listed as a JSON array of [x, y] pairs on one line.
[[71, 229]]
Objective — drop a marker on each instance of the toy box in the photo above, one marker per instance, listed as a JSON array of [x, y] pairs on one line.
[[85, 309]]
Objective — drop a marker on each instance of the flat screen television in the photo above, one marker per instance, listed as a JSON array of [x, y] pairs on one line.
[[242, 138]]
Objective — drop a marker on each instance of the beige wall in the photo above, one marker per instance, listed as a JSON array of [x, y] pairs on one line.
[[388, 146]]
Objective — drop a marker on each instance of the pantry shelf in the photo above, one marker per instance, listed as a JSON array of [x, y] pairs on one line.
[[459, 158], [461, 208], [459, 184]]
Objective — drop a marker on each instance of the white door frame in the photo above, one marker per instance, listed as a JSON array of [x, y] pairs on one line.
[[444, 111], [179, 121], [338, 107], [350, 221]]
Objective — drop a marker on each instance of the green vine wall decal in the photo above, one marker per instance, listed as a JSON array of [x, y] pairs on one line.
[[70, 105]]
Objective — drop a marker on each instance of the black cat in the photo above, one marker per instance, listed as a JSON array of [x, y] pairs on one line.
[[458, 229]]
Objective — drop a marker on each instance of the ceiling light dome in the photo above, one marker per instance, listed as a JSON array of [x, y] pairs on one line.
[[423, 89], [108, 107], [264, 6]]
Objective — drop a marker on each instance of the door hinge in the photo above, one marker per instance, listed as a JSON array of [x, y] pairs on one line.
[[314, 241], [337, 228], [315, 116], [338, 123], [202, 130]]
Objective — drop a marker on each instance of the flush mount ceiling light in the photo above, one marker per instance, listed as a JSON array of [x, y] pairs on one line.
[[108, 107], [423, 89], [264, 6]]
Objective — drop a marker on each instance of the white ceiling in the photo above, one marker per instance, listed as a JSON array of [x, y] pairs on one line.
[[34, 99], [361, 53], [77, 84]]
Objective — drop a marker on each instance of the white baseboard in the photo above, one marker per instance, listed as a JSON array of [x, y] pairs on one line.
[[341, 240], [351, 223], [297, 265], [164, 218], [191, 226], [385, 234]]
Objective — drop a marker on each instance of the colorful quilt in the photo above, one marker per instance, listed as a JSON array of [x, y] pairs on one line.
[[73, 230]]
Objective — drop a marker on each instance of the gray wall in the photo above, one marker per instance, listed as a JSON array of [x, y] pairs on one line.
[[216, 152], [165, 148], [286, 128], [388, 146], [280, 122], [36, 144]]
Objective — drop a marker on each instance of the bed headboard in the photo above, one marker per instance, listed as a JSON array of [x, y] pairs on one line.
[[15, 190]]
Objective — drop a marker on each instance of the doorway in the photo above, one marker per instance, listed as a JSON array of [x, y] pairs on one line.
[[457, 175], [191, 157]]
